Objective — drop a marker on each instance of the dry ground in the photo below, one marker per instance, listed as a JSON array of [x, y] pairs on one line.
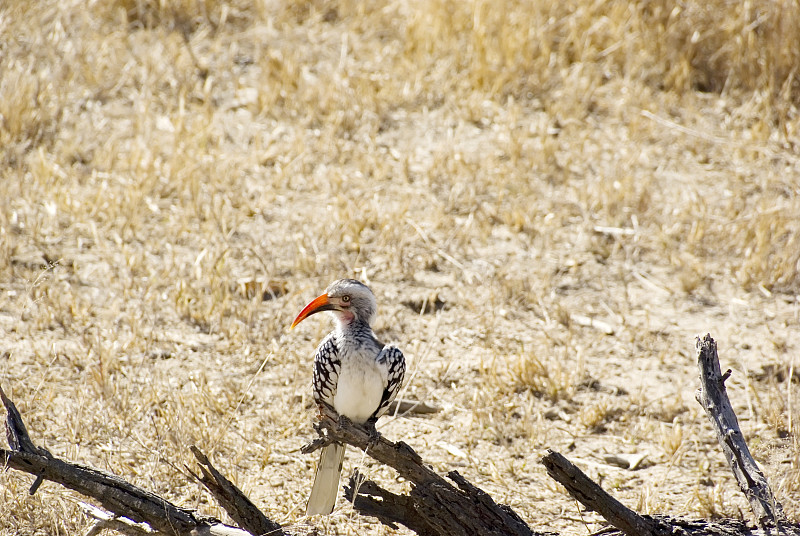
[[522, 166]]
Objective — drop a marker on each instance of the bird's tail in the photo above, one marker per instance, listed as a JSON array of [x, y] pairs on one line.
[[326, 481]]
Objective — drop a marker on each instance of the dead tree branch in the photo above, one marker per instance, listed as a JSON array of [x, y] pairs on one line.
[[370, 499], [115, 494], [593, 497], [714, 399], [434, 506], [629, 523], [231, 498]]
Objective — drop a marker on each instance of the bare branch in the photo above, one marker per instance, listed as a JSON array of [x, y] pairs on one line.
[[122, 525], [593, 497], [372, 500], [231, 498], [629, 523], [714, 399], [434, 506], [713, 396], [115, 494]]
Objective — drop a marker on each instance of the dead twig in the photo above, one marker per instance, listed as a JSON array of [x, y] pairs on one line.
[[714, 399], [239, 507], [593, 497], [630, 523]]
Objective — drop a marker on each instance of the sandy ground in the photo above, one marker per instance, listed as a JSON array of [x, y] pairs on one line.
[[546, 236]]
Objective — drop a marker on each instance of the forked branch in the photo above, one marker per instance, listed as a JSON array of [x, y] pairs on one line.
[[231, 498], [434, 506], [116, 495]]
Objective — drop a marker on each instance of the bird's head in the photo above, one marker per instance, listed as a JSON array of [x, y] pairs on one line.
[[349, 300]]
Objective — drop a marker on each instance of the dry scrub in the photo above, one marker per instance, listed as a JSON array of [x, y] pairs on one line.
[[578, 188]]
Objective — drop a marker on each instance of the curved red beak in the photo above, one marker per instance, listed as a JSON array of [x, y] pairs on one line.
[[318, 304]]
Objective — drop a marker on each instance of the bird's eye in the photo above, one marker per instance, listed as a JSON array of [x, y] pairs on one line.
[[345, 298]]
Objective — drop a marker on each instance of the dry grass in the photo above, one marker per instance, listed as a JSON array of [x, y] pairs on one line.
[[523, 166]]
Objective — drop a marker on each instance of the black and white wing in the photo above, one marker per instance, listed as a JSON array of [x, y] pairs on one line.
[[392, 357], [327, 365]]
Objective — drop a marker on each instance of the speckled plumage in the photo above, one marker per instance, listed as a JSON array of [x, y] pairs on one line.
[[354, 373], [328, 364]]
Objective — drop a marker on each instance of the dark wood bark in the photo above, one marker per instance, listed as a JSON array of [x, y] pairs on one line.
[[713, 396], [391, 509], [702, 527], [231, 498], [113, 493], [435, 506], [714, 399], [629, 523], [593, 497]]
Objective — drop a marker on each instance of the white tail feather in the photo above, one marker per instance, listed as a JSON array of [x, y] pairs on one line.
[[326, 481]]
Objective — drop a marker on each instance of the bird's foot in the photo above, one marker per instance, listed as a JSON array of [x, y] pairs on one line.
[[322, 429], [344, 421], [323, 440], [374, 434]]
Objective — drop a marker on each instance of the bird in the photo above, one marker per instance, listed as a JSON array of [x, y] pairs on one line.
[[354, 373]]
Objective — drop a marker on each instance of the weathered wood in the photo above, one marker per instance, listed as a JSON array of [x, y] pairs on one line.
[[114, 493], [629, 523], [434, 506], [370, 499], [713, 396], [593, 497], [123, 525], [16, 431], [701, 527], [398, 455], [239, 507], [714, 399]]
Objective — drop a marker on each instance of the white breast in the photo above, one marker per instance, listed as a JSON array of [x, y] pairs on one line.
[[361, 385]]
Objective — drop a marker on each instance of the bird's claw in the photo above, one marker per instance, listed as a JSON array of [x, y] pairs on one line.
[[374, 434], [344, 421], [323, 439]]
